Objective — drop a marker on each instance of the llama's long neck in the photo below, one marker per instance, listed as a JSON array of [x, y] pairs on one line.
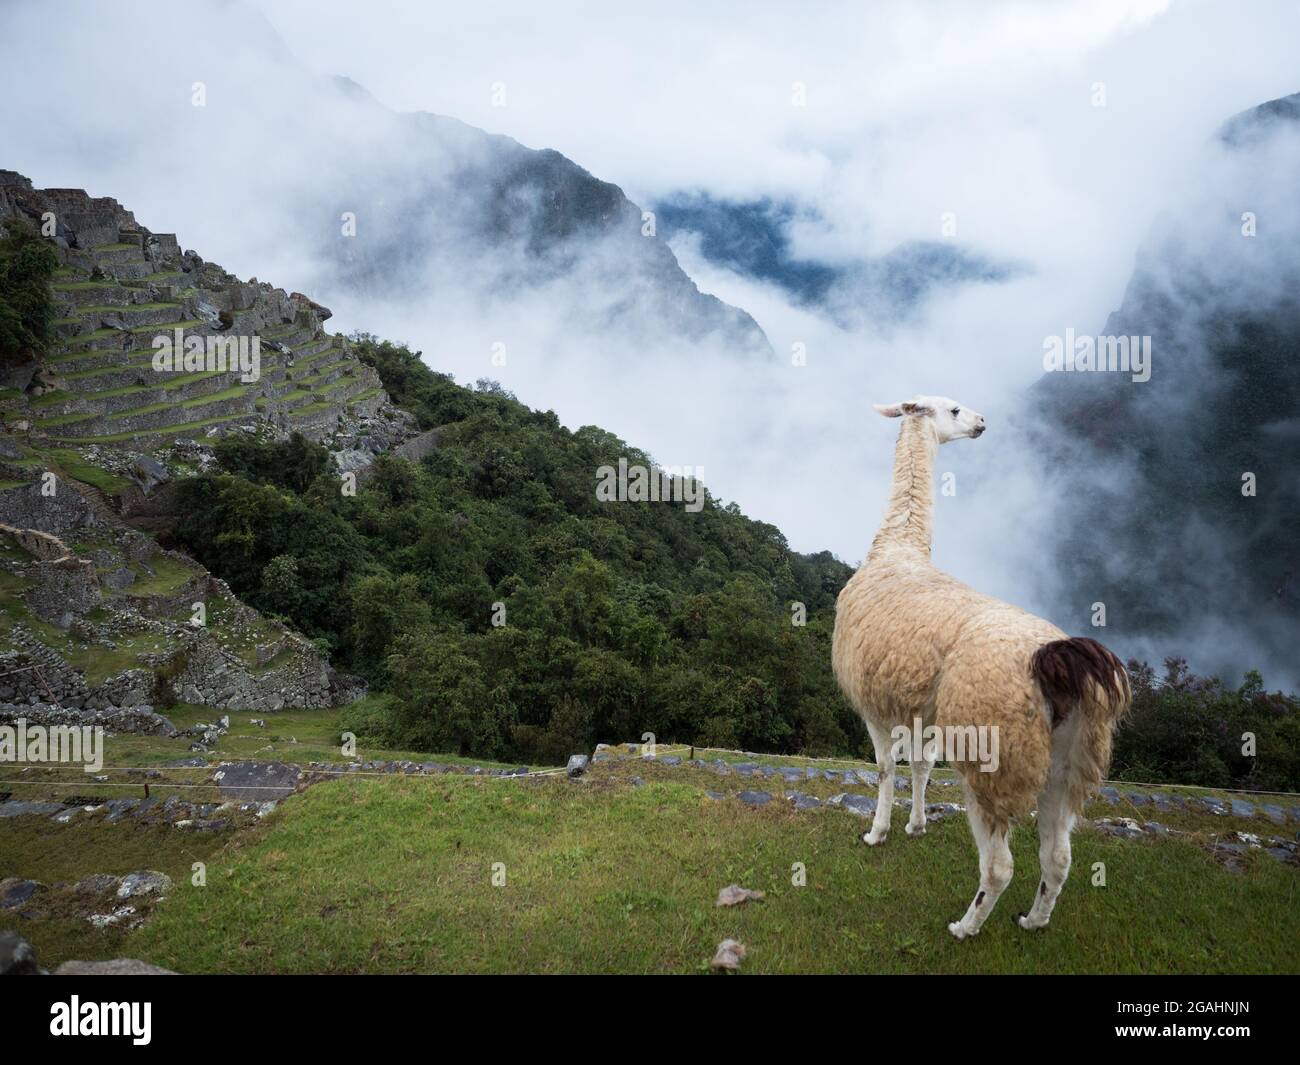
[[911, 500]]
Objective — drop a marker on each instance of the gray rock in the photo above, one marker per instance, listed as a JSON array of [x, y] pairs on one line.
[[120, 808], [1241, 808], [17, 956], [148, 473], [20, 808], [754, 798], [143, 882], [670, 759], [802, 801], [577, 765], [97, 884], [1274, 813], [15, 892], [257, 780], [862, 805]]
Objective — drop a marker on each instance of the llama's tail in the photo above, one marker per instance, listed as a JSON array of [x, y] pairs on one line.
[[1079, 676]]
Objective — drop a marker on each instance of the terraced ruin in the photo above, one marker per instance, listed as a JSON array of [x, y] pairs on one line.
[[119, 287], [94, 613]]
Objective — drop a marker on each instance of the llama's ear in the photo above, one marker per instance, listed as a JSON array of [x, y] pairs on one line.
[[913, 407], [893, 410]]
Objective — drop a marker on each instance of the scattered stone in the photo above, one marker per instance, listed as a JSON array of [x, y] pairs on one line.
[[716, 794], [862, 805], [97, 884], [1241, 808], [20, 808], [15, 891], [144, 882], [1124, 827], [17, 956], [105, 920], [729, 955], [577, 765], [754, 798], [802, 801], [256, 780], [1274, 813], [734, 895]]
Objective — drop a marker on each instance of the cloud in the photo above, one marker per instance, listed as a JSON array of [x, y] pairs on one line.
[[914, 110]]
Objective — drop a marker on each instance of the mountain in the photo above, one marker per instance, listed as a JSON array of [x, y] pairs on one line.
[[1191, 538], [446, 204], [754, 238], [199, 534]]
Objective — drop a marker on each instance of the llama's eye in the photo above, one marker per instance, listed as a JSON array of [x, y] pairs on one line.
[[956, 411]]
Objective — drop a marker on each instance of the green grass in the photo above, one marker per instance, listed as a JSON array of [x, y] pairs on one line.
[[71, 464], [393, 875], [168, 575]]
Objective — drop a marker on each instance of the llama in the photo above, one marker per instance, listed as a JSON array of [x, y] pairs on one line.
[[913, 644]]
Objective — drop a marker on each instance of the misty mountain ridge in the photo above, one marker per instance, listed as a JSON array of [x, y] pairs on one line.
[[753, 238], [1191, 534], [448, 192]]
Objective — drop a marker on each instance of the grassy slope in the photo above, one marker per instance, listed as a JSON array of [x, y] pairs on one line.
[[384, 874], [365, 875]]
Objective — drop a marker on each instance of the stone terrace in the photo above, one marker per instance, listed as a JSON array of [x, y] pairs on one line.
[[120, 286]]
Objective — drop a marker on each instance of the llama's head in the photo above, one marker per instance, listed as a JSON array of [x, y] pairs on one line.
[[950, 420]]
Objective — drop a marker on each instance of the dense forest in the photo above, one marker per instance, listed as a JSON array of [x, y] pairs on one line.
[[503, 611], [507, 610]]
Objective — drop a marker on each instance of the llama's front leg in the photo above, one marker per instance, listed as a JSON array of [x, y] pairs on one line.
[[995, 872], [920, 777], [879, 830], [1055, 819]]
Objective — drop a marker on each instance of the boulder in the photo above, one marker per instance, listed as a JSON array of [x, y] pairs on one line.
[[17, 956], [143, 882], [148, 473]]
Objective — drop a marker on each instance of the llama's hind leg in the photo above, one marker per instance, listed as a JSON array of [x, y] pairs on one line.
[[920, 777], [1055, 819], [880, 740], [995, 869]]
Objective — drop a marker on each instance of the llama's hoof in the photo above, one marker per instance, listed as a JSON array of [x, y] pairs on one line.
[[957, 930], [1022, 919], [914, 830], [866, 838]]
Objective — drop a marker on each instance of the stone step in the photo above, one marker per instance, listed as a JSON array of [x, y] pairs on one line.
[[160, 435], [92, 293], [233, 399], [118, 253]]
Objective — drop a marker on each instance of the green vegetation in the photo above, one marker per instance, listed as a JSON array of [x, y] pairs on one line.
[[1194, 730], [620, 618], [27, 310]]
